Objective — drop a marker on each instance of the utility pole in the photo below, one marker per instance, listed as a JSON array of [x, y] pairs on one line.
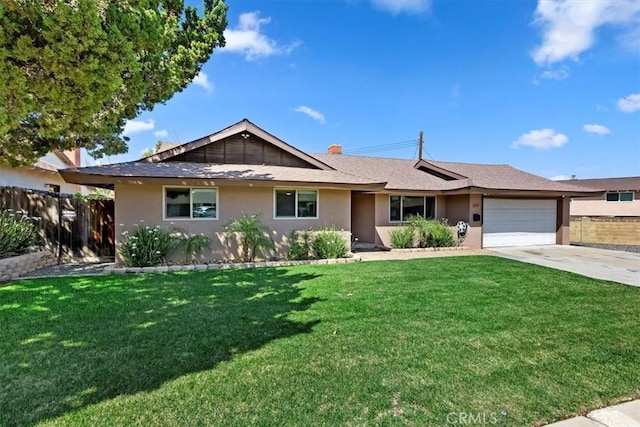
[[420, 144]]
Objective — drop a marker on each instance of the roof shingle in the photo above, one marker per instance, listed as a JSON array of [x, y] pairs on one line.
[[400, 174], [631, 183], [187, 170]]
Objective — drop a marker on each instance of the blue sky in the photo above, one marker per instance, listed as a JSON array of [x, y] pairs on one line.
[[550, 87]]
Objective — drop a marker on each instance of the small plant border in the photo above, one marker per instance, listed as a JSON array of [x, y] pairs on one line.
[[226, 265]]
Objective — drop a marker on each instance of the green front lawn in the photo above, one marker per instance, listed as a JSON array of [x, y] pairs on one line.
[[397, 342]]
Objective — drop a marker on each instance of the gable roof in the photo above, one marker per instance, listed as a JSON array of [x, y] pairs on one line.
[[243, 126], [357, 172], [399, 174], [506, 177], [630, 183], [402, 174], [46, 166]]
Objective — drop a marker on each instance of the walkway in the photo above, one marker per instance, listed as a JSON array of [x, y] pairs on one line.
[[622, 415]]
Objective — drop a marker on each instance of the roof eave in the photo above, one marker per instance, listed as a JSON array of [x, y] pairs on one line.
[[438, 169], [530, 192], [108, 181]]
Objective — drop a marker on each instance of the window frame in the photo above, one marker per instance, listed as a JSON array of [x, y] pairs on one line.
[[618, 193], [191, 217], [402, 221], [295, 191], [53, 188]]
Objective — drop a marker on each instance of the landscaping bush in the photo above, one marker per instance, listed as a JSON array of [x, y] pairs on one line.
[[17, 233], [253, 237], [440, 234], [329, 243], [145, 246], [402, 236], [432, 233], [421, 227], [300, 245], [194, 245]]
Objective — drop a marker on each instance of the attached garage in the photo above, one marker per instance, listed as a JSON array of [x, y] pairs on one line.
[[519, 222]]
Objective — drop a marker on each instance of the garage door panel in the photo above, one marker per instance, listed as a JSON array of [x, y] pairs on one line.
[[519, 222]]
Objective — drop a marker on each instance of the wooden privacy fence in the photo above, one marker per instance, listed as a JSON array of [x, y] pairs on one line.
[[75, 227]]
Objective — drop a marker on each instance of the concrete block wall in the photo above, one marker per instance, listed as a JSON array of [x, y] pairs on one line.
[[606, 230], [23, 265]]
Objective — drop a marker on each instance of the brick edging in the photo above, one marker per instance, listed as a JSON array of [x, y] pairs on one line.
[[226, 266], [443, 249], [22, 265]]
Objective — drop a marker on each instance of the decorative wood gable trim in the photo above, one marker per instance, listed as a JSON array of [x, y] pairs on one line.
[[434, 170], [238, 134]]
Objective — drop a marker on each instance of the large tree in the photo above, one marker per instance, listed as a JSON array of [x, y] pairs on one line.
[[73, 71]]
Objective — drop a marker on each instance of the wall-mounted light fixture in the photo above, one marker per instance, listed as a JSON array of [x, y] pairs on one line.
[[245, 135]]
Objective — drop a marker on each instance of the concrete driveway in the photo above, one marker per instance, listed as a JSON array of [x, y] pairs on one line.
[[617, 266]]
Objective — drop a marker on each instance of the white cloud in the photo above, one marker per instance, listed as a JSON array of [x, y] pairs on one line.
[[557, 74], [135, 126], [541, 139], [161, 133], [629, 104], [203, 81], [248, 40], [569, 26], [311, 113], [402, 6], [597, 129], [560, 178]]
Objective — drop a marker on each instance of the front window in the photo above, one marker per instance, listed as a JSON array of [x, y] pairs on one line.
[[296, 204], [190, 203], [622, 196], [402, 207], [52, 188]]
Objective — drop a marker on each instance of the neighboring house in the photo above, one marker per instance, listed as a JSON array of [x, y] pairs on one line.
[[609, 218], [199, 186], [44, 174], [622, 197]]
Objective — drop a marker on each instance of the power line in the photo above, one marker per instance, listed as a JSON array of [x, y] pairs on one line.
[[382, 147]]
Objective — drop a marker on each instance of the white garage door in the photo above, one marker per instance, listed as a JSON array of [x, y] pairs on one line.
[[518, 222]]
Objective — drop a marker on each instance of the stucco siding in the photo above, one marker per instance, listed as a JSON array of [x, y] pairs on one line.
[[600, 207], [457, 208], [563, 224], [33, 179], [144, 202]]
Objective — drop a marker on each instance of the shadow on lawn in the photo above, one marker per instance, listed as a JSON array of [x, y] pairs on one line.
[[68, 343]]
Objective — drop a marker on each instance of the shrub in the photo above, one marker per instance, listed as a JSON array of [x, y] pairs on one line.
[[440, 234], [402, 236], [194, 245], [421, 227], [145, 246], [432, 233], [329, 243], [300, 245], [17, 233], [252, 236]]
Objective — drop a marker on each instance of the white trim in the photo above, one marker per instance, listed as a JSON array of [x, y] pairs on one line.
[[401, 195], [295, 190], [191, 218]]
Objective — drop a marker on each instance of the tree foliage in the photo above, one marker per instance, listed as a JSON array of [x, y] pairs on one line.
[[72, 72]]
